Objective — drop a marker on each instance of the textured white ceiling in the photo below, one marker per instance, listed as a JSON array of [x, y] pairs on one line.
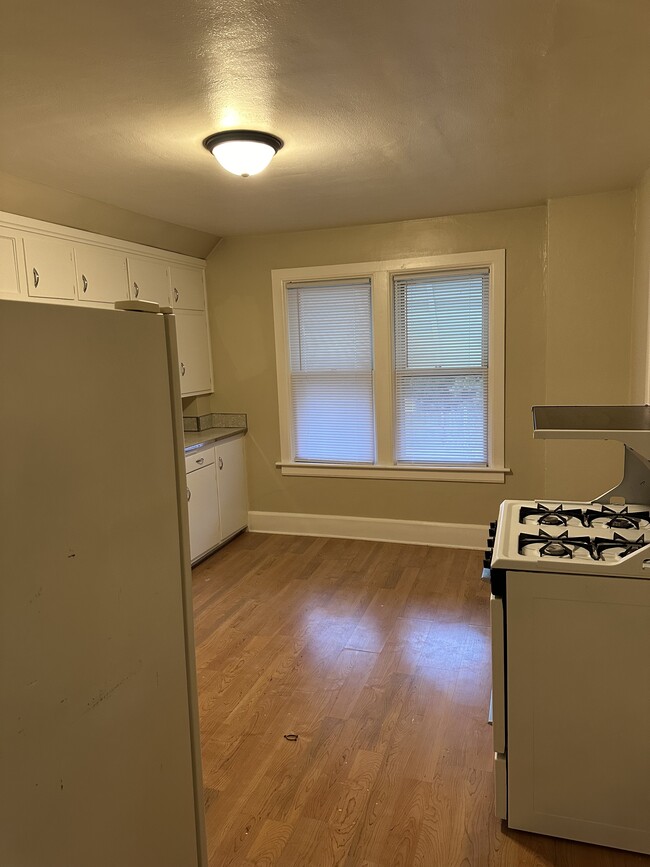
[[389, 110]]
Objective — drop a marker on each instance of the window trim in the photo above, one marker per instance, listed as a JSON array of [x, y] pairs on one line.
[[381, 274]]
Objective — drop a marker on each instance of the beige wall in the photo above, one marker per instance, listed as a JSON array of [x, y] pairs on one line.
[[588, 330], [19, 196], [241, 319], [568, 332], [639, 360]]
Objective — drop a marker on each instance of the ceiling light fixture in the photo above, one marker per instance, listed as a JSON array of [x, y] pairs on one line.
[[243, 152]]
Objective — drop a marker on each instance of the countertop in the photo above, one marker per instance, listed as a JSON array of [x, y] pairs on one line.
[[194, 439]]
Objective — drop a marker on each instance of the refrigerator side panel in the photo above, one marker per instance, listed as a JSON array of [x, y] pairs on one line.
[[186, 575], [96, 763]]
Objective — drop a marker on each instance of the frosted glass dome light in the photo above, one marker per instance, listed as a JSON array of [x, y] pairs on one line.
[[243, 152]]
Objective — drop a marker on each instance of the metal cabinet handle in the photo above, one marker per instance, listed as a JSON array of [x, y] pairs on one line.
[[37, 277], [189, 495], [84, 282], [200, 460], [220, 463], [182, 369], [136, 289], [175, 294]]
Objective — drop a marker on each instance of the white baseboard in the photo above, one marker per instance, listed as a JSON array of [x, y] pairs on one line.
[[373, 529]]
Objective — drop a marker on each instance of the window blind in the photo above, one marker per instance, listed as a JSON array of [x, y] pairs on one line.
[[441, 368], [330, 348]]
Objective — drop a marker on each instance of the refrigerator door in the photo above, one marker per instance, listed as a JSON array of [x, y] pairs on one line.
[[98, 762]]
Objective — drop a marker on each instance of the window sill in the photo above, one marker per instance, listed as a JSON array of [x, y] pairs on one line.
[[493, 475]]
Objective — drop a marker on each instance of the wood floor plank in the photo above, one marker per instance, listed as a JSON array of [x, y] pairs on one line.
[[376, 656]]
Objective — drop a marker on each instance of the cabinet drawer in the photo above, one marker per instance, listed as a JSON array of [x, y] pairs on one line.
[[196, 460]]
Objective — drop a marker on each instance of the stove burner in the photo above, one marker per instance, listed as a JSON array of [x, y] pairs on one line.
[[557, 546], [557, 517], [555, 549], [629, 546], [623, 520]]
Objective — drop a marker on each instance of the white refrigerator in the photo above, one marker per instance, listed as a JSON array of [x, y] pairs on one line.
[[99, 743]]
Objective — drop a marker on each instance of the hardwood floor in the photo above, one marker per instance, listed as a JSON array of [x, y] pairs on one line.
[[377, 656]]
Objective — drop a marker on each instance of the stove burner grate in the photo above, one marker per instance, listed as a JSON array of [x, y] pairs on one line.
[[628, 546], [557, 517], [557, 546], [623, 520], [565, 545]]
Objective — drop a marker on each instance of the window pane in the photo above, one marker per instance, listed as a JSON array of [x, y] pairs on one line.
[[330, 328], [443, 329], [441, 359], [442, 419], [333, 418], [330, 337]]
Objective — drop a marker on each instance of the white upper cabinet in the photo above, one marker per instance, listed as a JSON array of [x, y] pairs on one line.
[[188, 292], [11, 271], [101, 274], [45, 262], [50, 267], [194, 356], [148, 280]]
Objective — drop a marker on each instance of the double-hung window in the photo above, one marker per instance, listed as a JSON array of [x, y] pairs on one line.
[[392, 369]]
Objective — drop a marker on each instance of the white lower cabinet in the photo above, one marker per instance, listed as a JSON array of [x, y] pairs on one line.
[[231, 482], [203, 508], [216, 495]]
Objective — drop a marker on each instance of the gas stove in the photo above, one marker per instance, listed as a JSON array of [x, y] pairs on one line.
[[570, 627], [588, 538]]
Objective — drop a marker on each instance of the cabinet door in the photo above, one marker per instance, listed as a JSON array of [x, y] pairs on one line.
[[50, 267], [148, 280], [203, 508], [194, 353], [10, 265], [101, 274], [187, 287], [231, 481]]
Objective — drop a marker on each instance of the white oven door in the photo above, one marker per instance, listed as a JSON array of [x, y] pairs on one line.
[[579, 708]]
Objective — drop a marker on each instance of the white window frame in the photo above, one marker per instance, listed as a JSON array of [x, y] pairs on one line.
[[381, 275]]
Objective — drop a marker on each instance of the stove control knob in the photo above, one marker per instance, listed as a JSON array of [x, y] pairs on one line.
[[493, 527], [487, 560], [490, 541]]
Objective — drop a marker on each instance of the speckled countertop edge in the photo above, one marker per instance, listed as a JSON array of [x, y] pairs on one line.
[[196, 439]]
